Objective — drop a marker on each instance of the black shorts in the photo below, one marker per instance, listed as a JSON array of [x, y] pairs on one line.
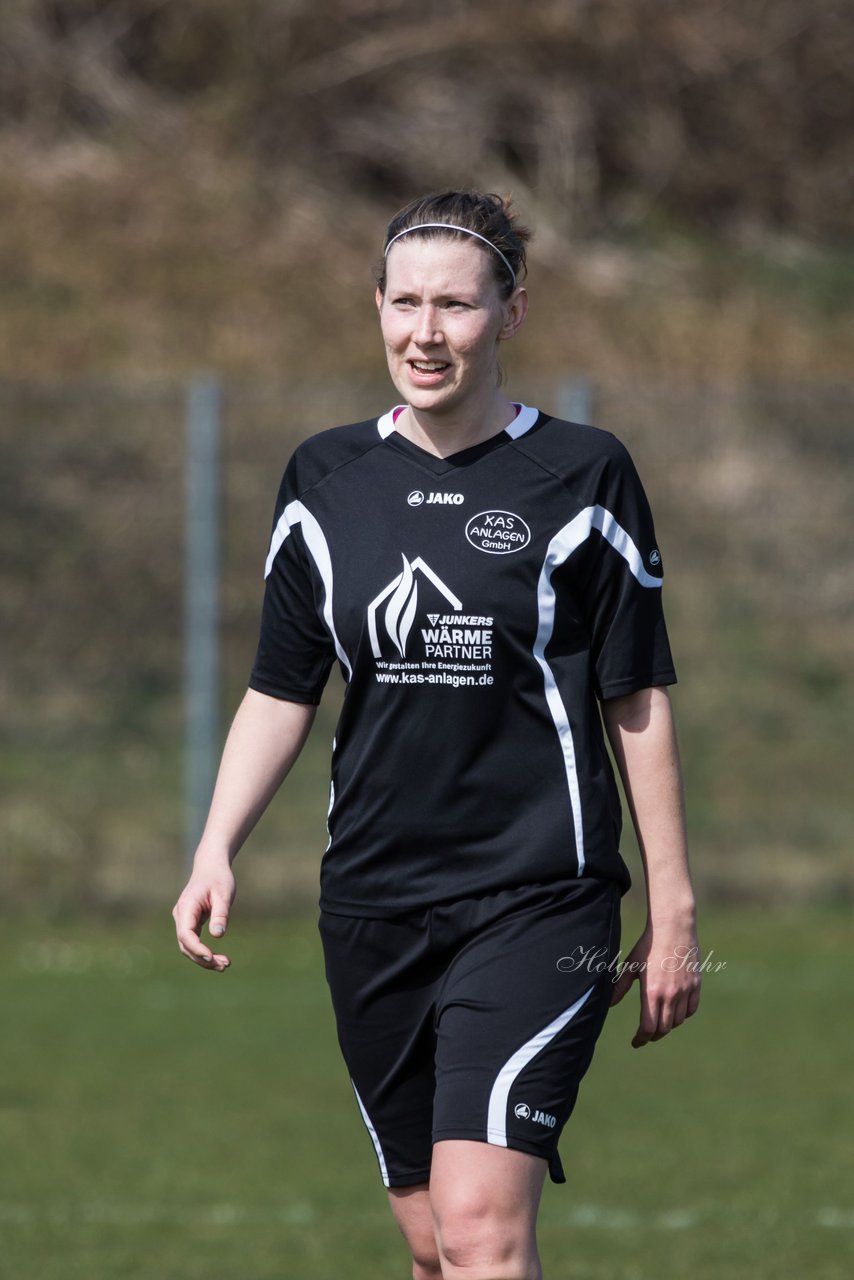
[[473, 1019]]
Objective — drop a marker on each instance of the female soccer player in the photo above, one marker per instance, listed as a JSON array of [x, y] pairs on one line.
[[487, 577]]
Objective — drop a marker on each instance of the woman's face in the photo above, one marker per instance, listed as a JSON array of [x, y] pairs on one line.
[[442, 318]]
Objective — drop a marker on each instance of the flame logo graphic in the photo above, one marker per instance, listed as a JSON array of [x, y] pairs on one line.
[[397, 602], [400, 611]]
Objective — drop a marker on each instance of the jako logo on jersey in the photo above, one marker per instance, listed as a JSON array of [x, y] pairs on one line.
[[522, 1111], [654, 557], [498, 533], [402, 597], [447, 499]]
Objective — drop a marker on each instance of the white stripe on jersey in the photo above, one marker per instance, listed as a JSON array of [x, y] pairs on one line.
[[561, 547], [281, 531], [374, 1139], [315, 540], [496, 1120], [614, 533]]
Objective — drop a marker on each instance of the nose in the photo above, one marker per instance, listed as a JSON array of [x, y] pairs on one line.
[[427, 329]]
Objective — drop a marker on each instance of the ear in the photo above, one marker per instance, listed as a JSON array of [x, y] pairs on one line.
[[515, 310], [379, 299]]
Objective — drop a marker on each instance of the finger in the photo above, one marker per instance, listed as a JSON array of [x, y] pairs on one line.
[[648, 1023], [671, 1013], [219, 916], [680, 1008], [201, 955], [684, 1003], [665, 1021], [621, 986], [191, 945], [627, 975], [188, 923]]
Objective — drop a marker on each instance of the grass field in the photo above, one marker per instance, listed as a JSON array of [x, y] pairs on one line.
[[160, 1122]]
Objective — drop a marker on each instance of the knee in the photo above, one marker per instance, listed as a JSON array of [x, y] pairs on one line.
[[476, 1244], [426, 1267], [426, 1263], [474, 1262]]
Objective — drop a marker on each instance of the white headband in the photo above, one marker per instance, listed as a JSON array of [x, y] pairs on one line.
[[449, 226]]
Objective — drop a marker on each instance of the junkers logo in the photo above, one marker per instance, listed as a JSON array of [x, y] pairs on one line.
[[498, 533], [416, 498]]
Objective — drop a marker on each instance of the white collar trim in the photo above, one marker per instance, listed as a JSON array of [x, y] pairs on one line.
[[522, 423], [525, 419], [385, 424]]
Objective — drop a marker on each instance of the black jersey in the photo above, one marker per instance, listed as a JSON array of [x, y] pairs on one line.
[[478, 605]]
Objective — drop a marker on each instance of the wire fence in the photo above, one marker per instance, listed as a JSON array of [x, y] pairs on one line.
[[752, 490]]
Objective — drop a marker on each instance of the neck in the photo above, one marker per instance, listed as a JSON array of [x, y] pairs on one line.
[[443, 434]]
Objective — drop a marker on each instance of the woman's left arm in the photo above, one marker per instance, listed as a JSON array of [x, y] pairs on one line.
[[665, 959]]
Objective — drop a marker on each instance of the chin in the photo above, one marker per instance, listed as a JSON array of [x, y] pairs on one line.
[[430, 404], [429, 400]]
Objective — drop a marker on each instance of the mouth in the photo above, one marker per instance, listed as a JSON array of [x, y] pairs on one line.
[[428, 370]]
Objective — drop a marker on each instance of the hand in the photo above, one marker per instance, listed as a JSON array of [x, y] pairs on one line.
[[662, 960], [208, 895]]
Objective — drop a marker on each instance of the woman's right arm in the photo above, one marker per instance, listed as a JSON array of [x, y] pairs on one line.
[[265, 739]]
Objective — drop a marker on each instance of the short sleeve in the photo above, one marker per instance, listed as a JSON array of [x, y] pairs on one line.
[[295, 649], [630, 649]]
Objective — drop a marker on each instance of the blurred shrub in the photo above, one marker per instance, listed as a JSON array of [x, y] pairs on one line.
[[731, 116]]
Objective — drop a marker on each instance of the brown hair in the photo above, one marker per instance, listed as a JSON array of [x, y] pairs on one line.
[[484, 213]]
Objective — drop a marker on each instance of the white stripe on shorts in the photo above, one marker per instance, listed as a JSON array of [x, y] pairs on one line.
[[374, 1139], [496, 1123]]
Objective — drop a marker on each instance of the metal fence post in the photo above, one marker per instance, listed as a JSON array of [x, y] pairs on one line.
[[575, 400], [201, 612]]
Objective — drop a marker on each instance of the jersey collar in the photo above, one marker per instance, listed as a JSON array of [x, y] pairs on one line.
[[525, 419]]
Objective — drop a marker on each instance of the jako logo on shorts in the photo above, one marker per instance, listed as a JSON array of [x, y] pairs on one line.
[[523, 1112]]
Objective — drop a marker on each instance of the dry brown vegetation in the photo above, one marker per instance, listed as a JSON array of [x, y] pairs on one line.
[[199, 181]]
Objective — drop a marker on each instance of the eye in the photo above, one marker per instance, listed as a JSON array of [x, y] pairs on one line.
[[455, 305], [404, 302]]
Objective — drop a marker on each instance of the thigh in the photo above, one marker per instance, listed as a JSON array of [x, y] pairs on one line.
[[382, 980], [519, 1013]]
